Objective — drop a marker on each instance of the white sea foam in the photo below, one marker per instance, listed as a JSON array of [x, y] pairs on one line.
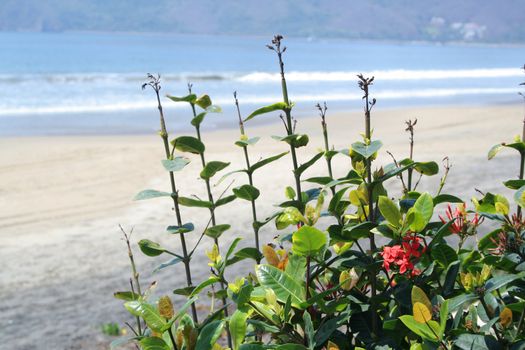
[[397, 94], [396, 74], [262, 77]]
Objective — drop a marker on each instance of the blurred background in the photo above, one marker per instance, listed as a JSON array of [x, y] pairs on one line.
[[78, 135], [77, 66]]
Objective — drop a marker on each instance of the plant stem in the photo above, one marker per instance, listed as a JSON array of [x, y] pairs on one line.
[[322, 112], [155, 84], [364, 84], [212, 212], [522, 169], [172, 338], [134, 272], [207, 181], [250, 176], [288, 112], [308, 263], [410, 128]]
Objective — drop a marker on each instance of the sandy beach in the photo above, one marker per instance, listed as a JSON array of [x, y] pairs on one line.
[[62, 199]]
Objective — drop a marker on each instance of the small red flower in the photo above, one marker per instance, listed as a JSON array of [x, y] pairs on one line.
[[402, 256], [462, 225]]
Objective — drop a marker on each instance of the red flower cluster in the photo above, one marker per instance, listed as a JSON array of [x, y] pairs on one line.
[[403, 255], [461, 225]]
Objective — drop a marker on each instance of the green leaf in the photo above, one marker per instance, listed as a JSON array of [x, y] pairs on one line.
[[247, 192], [427, 168], [203, 102], [188, 144], [127, 296], [175, 164], [444, 254], [423, 209], [265, 161], [301, 169], [460, 300], [250, 346], [519, 197], [291, 347], [189, 98], [295, 140], [204, 284], [148, 312], [225, 200], [191, 202], [365, 150], [514, 184], [476, 341], [308, 241], [281, 283], [279, 106], [147, 194], [499, 281], [117, 343], [249, 253], [321, 180], [518, 146], [197, 120], [248, 142], [212, 168], [443, 315], [150, 248], [446, 198], [153, 343], [188, 227], [289, 192], [424, 330], [209, 335], [450, 278], [238, 327], [172, 262], [494, 150], [217, 230], [296, 267], [309, 330], [390, 211], [355, 232]]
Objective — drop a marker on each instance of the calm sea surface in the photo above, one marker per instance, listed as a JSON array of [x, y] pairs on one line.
[[90, 83]]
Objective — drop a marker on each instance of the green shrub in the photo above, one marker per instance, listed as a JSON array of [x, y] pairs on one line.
[[336, 288]]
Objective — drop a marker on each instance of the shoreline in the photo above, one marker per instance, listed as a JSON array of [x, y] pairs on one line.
[[143, 122]]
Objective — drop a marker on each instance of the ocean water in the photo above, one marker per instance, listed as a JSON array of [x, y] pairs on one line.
[[75, 83]]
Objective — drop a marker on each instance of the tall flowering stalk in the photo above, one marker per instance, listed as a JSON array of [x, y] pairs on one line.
[[289, 121], [329, 153], [154, 83]]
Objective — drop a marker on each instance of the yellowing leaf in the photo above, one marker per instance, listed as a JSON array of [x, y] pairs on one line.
[[421, 313], [502, 208], [270, 255], [505, 317], [165, 307], [332, 346], [419, 296], [213, 255]]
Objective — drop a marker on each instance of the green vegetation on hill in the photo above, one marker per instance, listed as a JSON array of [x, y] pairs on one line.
[[447, 20]]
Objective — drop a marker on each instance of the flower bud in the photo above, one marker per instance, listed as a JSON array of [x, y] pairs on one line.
[[348, 279]]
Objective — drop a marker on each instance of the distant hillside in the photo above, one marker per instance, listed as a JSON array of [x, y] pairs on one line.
[[445, 20]]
